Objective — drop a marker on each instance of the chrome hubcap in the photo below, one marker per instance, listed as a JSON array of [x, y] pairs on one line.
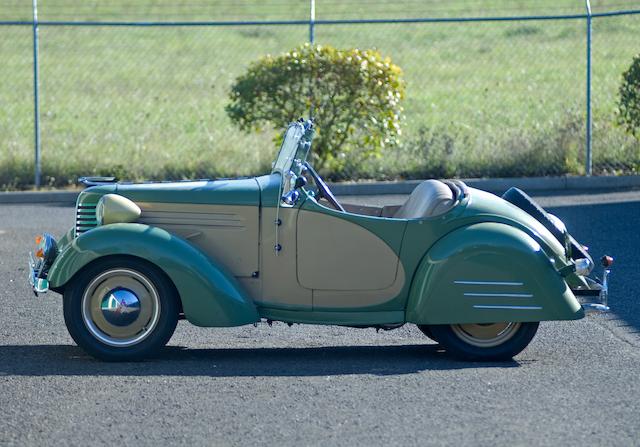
[[486, 335], [120, 307]]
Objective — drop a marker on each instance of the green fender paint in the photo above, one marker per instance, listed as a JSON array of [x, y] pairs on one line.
[[66, 239], [486, 273], [210, 296]]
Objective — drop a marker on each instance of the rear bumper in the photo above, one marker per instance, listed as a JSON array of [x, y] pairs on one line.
[[595, 298]]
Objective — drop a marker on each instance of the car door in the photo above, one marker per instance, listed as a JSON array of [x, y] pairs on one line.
[[348, 260]]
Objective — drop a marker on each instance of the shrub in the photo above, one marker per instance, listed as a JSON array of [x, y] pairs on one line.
[[354, 97], [629, 101]]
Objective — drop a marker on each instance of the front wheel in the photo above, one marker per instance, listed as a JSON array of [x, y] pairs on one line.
[[484, 341], [121, 309]]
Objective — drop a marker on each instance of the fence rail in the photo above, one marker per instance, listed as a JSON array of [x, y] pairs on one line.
[[309, 22], [426, 140]]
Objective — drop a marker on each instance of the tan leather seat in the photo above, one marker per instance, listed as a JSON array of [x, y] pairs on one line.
[[430, 198]]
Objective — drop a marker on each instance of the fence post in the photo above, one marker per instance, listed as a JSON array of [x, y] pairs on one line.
[[36, 96], [312, 38], [588, 161], [312, 21]]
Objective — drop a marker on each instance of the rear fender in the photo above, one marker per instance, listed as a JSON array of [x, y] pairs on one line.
[[485, 273], [210, 295]]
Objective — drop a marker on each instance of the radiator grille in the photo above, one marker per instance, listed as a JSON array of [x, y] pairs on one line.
[[85, 218]]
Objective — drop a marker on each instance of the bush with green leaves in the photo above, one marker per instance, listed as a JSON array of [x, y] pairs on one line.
[[629, 101], [353, 95]]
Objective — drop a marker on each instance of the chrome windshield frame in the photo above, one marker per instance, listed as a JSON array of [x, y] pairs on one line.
[[295, 147], [289, 148]]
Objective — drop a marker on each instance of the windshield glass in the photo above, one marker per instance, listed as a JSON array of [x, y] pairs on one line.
[[289, 148]]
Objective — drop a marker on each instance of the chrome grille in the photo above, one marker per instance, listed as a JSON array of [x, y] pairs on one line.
[[85, 218]]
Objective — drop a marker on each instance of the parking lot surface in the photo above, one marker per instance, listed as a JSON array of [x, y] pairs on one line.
[[576, 384]]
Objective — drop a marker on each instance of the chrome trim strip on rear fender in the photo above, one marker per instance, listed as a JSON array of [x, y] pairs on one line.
[[500, 295], [491, 306], [489, 283]]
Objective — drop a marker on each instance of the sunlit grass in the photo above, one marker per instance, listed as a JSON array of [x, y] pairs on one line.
[[487, 99]]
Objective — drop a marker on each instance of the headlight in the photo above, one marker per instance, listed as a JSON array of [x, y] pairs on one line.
[[113, 208], [100, 212], [46, 249]]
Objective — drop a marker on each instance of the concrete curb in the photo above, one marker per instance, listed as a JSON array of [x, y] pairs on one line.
[[495, 185], [25, 197]]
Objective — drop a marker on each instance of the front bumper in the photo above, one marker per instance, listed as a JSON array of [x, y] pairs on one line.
[[37, 282], [39, 265], [595, 297]]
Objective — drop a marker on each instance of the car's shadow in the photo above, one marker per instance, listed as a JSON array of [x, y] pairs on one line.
[[67, 360]]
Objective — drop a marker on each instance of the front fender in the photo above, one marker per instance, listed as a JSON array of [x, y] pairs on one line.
[[485, 273], [210, 296]]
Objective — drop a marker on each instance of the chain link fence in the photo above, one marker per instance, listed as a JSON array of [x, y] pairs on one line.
[[138, 89], [616, 41]]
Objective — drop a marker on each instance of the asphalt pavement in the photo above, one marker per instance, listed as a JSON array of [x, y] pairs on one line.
[[576, 384]]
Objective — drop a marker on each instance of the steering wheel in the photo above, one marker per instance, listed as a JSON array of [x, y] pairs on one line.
[[323, 189]]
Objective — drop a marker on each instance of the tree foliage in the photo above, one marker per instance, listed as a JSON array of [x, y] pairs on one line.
[[354, 96], [629, 101]]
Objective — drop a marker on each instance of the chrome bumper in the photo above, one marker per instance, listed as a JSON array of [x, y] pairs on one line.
[[47, 251], [37, 282], [596, 297]]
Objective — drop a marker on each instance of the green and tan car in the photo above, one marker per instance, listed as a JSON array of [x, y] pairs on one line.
[[475, 272]]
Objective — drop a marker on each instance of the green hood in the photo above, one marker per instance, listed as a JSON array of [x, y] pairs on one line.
[[243, 191]]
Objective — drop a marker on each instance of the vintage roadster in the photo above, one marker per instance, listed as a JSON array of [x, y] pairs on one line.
[[475, 272]]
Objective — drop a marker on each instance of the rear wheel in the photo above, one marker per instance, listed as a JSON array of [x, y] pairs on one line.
[[484, 341], [121, 309]]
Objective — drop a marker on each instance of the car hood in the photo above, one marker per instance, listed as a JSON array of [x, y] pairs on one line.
[[243, 191]]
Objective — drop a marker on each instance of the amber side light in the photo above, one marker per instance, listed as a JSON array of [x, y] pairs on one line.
[[38, 239], [40, 253]]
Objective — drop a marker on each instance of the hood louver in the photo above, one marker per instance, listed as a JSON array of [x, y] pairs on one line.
[[85, 218]]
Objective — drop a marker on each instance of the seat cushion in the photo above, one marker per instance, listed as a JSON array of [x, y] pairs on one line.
[[430, 198]]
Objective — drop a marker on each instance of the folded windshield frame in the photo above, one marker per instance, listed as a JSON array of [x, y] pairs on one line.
[[295, 147]]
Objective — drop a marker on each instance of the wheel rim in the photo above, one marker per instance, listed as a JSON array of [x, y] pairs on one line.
[[486, 335], [120, 307]]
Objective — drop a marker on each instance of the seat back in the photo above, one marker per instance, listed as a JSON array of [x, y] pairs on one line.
[[430, 198]]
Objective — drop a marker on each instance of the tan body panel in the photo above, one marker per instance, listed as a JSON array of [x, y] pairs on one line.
[[227, 234], [358, 298], [335, 254], [279, 282], [230, 236]]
